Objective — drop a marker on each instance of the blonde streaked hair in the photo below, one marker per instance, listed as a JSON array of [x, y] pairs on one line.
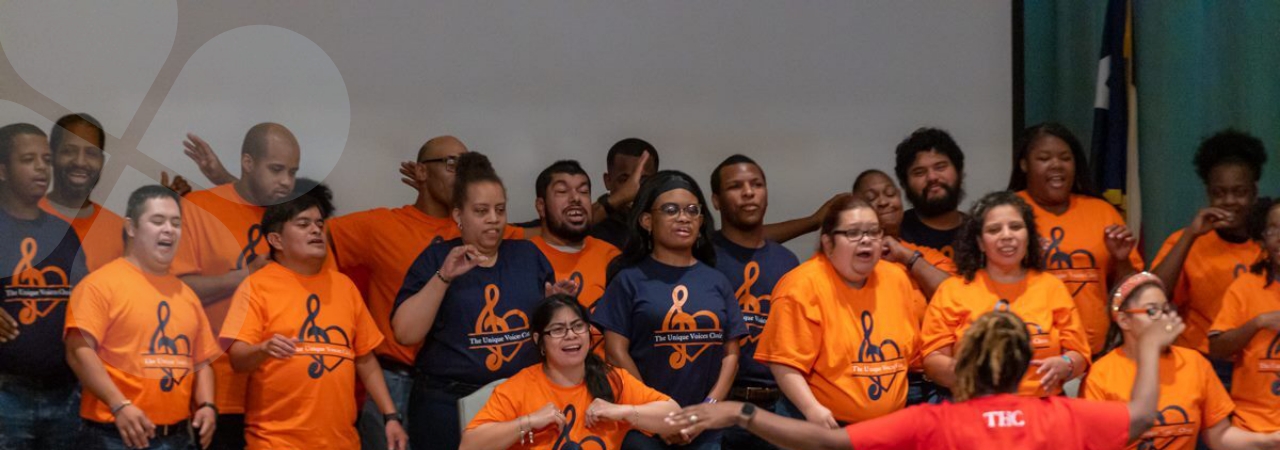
[[993, 356]]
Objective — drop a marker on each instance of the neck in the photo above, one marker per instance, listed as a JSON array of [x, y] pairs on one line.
[[749, 238], [945, 221], [677, 258], [430, 206], [1130, 346], [553, 239], [1057, 208], [1233, 235], [18, 208], [302, 266], [856, 284], [68, 199], [492, 253], [146, 265], [1012, 274], [564, 376], [242, 188]]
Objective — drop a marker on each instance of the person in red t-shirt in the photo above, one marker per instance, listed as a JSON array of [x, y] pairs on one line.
[[994, 355]]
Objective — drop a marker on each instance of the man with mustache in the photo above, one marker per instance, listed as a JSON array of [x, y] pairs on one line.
[[930, 166], [223, 243], [39, 265], [77, 143]]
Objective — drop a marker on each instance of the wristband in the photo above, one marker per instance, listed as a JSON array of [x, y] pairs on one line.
[[120, 407], [914, 257], [710, 400], [209, 405], [442, 278], [1071, 366]]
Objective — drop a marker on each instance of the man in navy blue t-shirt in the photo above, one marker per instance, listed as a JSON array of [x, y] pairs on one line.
[[40, 261], [753, 265]]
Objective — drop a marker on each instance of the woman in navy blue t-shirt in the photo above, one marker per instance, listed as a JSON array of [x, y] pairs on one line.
[[468, 302], [670, 318]]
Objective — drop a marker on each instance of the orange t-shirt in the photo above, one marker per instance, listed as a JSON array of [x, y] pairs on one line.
[[1211, 265], [309, 400], [152, 337], [587, 267], [852, 345], [939, 261], [101, 233], [530, 390], [379, 245], [1075, 251], [1191, 397], [1045, 305], [221, 231], [1255, 383]]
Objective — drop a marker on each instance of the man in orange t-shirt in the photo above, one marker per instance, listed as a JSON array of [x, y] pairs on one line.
[[77, 141], [224, 244], [304, 334], [139, 341], [1245, 332]]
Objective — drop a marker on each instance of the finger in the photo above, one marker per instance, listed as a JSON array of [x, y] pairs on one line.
[[831, 423], [164, 178], [126, 434], [409, 182], [644, 161]]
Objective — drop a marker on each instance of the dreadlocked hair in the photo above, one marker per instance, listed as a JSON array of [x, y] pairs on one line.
[[994, 355]]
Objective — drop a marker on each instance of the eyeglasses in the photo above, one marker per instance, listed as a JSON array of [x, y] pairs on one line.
[[562, 331], [450, 162], [673, 210], [1153, 311], [1271, 232], [855, 235]]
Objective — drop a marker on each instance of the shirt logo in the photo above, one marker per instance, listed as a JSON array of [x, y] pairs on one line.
[[39, 290], [328, 346], [565, 442], [755, 310], [684, 332], [171, 355], [1039, 337], [250, 250], [1270, 362], [1171, 427], [1004, 419], [576, 278], [1077, 268], [874, 363], [501, 335]]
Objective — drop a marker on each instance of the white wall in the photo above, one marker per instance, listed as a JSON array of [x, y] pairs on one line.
[[815, 91]]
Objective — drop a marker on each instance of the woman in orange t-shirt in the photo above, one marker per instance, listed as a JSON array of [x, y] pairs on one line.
[[1192, 401], [1245, 330], [573, 397], [994, 354], [998, 255], [1086, 243]]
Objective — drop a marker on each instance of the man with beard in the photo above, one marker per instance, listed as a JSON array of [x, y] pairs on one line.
[[753, 264], [931, 167], [77, 141], [223, 244], [565, 212]]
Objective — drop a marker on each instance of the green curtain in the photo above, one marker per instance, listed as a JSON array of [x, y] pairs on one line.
[[1201, 66]]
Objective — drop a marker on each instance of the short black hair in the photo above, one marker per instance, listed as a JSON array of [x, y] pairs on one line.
[[138, 199], [10, 132], [1230, 146], [923, 140], [564, 166], [731, 160], [631, 147], [59, 131], [274, 218], [864, 175]]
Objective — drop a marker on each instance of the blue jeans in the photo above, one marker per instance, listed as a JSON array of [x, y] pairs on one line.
[[708, 440], [373, 434], [434, 408], [99, 437], [736, 438], [36, 415]]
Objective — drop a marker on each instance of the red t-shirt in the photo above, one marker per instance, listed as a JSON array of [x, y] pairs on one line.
[[1004, 421]]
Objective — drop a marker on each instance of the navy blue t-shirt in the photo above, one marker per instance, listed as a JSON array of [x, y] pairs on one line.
[[677, 319], [40, 262], [482, 330], [753, 272]]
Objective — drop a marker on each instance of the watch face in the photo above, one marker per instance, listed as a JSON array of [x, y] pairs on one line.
[[748, 409]]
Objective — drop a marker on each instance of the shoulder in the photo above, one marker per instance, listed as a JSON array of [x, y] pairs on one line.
[[521, 246], [890, 273], [1173, 238], [108, 275], [1249, 281], [1040, 280], [594, 245]]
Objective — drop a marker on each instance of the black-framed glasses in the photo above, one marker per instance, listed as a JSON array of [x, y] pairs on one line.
[[450, 162], [855, 235], [560, 331], [1153, 311], [673, 210]]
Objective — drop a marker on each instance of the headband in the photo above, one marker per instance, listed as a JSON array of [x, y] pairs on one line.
[[1132, 283], [671, 183]]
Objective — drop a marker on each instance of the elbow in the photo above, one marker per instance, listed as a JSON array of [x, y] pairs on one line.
[[468, 444], [404, 337]]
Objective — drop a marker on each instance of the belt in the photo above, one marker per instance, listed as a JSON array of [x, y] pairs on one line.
[[395, 366], [755, 394], [161, 430], [422, 381]]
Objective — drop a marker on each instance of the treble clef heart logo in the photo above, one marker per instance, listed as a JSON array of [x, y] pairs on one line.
[[332, 335], [1273, 354], [870, 352], [27, 275], [752, 305], [566, 442], [250, 250], [679, 321], [1058, 259], [162, 344], [490, 322], [1172, 425], [576, 278]]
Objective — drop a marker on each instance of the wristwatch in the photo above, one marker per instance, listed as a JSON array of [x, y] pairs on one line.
[[209, 405], [744, 416], [396, 416]]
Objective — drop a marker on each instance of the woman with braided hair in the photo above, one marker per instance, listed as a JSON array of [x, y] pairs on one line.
[[993, 356]]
